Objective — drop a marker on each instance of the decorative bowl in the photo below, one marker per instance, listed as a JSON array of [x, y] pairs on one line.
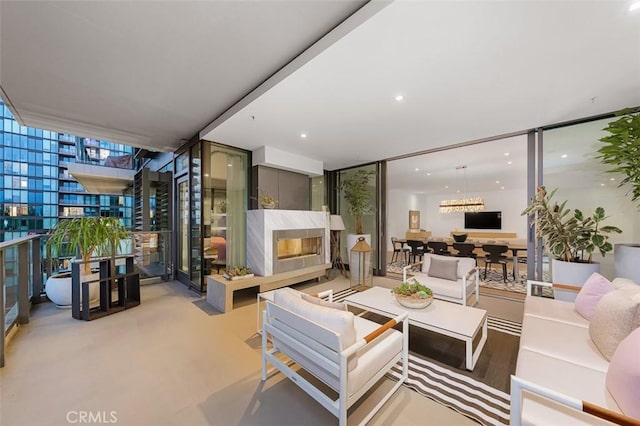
[[460, 238], [413, 302]]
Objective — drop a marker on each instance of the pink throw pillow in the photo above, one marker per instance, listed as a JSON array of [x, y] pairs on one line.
[[592, 291], [623, 375]]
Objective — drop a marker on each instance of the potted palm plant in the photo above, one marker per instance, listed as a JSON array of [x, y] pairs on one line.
[[621, 150], [84, 236], [570, 237]]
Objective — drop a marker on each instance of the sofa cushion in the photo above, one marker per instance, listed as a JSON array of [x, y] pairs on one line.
[[317, 301], [623, 376], [554, 310], [616, 315], [445, 269], [567, 342], [585, 383], [590, 294], [341, 322], [440, 286]]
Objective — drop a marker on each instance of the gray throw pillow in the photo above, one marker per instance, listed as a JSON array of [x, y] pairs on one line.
[[445, 269]]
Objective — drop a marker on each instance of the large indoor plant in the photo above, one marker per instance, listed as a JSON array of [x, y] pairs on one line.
[[85, 236], [356, 192], [621, 150], [569, 236]]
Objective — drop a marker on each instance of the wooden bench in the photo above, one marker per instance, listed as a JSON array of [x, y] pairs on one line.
[[220, 290]]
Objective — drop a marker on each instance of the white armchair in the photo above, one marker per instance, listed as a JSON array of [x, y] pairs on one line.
[[463, 281], [346, 352]]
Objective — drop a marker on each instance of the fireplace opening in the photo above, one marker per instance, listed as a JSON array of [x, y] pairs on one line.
[[297, 248]]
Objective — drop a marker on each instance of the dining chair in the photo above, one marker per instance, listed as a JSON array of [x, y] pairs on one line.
[[495, 253], [465, 250], [399, 249], [417, 249], [439, 247]]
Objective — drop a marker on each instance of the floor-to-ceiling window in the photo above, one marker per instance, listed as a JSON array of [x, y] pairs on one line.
[[571, 165]]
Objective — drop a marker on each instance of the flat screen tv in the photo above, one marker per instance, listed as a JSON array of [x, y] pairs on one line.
[[483, 220]]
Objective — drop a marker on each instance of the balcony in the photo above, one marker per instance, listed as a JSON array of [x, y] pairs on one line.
[[102, 179]]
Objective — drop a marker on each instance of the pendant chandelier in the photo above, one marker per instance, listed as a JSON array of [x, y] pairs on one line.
[[473, 204]]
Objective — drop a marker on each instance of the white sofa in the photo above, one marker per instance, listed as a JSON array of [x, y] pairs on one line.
[[559, 367], [465, 284], [348, 353]]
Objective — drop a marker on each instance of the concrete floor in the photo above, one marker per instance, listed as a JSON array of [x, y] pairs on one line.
[[173, 360]]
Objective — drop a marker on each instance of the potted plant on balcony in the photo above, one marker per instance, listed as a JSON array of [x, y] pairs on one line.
[[621, 150], [84, 236], [570, 238]]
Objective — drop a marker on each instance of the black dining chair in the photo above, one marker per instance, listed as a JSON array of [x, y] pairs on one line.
[[417, 249], [465, 250], [439, 247], [399, 249], [495, 253]]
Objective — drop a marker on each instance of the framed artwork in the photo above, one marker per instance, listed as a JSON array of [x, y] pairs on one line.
[[414, 219]]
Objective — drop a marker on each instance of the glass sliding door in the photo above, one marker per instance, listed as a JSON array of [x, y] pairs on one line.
[[183, 227]]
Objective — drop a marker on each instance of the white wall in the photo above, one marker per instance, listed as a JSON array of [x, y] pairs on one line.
[[399, 203], [510, 203]]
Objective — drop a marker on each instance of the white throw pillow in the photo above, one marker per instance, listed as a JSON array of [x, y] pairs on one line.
[[617, 315], [317, 301]]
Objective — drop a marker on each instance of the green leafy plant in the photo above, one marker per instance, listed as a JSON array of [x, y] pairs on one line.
[[86, 236], [569, 237], [238, 271], [356, 192], [413, 289], [621, 149]]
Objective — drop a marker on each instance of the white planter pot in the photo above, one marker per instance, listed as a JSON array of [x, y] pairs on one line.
[[627, 261], [571, 273], [355, 268], [58, 288]]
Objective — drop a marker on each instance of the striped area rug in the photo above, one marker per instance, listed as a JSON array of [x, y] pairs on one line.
[[445, 385]]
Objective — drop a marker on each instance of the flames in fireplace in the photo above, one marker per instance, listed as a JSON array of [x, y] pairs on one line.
[[297, 248]]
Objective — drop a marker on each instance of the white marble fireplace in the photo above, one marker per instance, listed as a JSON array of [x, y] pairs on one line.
[[261, 225]]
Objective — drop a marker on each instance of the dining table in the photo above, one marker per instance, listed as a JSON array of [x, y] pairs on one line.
[[515, 245]]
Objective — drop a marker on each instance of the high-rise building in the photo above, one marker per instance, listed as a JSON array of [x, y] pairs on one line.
[[36, 188]]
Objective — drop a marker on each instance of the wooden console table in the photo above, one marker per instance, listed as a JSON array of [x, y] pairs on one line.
[[220, 290]]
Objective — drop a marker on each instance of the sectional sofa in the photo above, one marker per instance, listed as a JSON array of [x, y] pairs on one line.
[[580, 359]]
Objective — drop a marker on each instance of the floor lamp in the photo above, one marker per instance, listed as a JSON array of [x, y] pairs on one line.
[[336, 226]]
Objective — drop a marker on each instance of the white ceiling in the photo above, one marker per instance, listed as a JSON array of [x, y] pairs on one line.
[[153, 74], [148, 73], [467, 70]]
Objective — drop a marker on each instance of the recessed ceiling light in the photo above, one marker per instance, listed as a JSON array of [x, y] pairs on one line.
[[506, 154], [206, 175], [446, 186], [303, 135], [458, 191], [612, 179], [602, 184], [564, 156], [428, 174], [417, 169], [502, 187], [509, 162], [497, 181], [229, 165], [399, 98], [634, 6], [320, 181]]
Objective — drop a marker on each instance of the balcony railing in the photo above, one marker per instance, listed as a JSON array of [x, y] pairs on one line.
[[23, 272], [19, 282]]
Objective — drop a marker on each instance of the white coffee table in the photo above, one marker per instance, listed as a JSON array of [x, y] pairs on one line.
[[446, 318]]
